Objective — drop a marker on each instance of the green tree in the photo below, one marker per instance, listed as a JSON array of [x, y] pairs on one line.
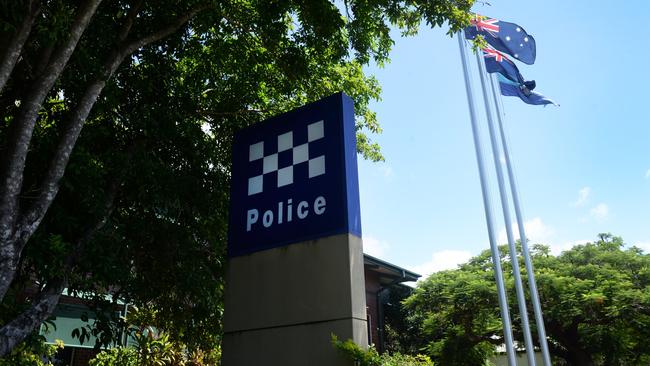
[[401, 334], [595, 299], [135, 207]]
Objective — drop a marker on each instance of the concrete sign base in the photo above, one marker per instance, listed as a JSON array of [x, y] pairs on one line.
[[283, 304]]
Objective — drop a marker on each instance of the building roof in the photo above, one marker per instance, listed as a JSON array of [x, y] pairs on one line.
[[389, 273]]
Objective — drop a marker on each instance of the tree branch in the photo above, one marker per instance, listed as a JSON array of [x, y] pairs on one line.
[[25, 121], [128, 23], [23, 127], [240, 112], [17, 42], [43, 60], [558, 351], [108, 207], [50, 186], [164, 32]]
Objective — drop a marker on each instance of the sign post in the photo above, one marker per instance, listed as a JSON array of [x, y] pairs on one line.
[[295, 267]]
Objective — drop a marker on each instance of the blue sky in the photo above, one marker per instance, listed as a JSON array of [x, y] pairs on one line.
[[582, 168]]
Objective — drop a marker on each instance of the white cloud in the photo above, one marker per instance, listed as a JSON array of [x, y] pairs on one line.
[[645, 246], [374, 246], [536, 231], [386, 170], [540, 233], [583, 196], [557, 249], [600, 212], [441, 260], [647, 174]]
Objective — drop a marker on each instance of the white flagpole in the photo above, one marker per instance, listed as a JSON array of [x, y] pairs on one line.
[[514, 258], [532, 286], [496, 257]]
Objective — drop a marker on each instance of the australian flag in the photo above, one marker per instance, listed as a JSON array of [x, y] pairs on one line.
[[503, 36], [495, 61], [510, 88]]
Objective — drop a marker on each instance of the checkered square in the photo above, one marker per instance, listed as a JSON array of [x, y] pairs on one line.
[[300, 154]]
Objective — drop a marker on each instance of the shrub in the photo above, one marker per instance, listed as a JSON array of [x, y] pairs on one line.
[[32, 352], [120, 356], [371, 357]]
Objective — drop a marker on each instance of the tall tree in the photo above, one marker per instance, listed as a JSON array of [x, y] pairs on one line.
[[595, 299], [136, 206]]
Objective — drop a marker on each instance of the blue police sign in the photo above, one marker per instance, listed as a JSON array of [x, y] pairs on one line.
[[294, 178]]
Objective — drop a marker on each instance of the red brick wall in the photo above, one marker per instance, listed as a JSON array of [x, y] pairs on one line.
[[372, 286]]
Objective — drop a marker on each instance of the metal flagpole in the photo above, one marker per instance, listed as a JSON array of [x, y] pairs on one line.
[[496, 258], [534, 295], [514, 258]]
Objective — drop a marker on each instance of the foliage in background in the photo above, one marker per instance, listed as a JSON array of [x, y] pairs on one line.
[[371, 357], [595, 299], [155, 348], [32, 352], [152, 345], [400, 334], [118, 356]]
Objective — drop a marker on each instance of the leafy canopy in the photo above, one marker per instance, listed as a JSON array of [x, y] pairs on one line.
[[595, 299]]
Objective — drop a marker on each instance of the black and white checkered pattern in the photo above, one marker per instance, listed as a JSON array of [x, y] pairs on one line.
[[315, 131]]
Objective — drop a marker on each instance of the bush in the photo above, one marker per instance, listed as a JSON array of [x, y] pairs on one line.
[[154, 348], [32, 352], [120, 356], [371, 357]]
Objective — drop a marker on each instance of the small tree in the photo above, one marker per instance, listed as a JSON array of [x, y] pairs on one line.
[[595, 299]]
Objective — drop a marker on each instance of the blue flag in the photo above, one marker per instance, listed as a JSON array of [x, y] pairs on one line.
[[505, 37], [513, 89], [495, 61]]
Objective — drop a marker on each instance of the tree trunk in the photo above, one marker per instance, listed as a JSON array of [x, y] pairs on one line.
[[19, 140], [27, 226], [578, 357], [8, 267], [15, 331], [569, 340]]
